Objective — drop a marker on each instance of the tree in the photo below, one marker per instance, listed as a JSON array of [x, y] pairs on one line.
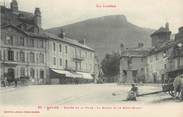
[[110, 66]]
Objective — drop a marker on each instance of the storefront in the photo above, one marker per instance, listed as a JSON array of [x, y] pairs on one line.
[[69, 77]]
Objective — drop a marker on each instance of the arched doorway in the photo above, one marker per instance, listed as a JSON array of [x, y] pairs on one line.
[[11, 75]]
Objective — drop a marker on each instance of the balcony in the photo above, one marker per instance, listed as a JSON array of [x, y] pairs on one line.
[[9, 62], [78, 58]]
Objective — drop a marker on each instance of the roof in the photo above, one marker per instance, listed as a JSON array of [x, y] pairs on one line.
[[20, 16], [135, 52], [165, 46], [46, 35], [161, 30], [36, 35], [67, 40]]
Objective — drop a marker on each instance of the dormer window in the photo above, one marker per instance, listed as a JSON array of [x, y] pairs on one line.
[[9, 40], [22, 41], [165, 54]]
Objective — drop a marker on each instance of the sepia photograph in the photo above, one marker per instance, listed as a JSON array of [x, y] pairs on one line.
[[65, 58]]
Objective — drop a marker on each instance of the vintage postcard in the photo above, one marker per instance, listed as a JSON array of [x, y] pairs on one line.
[[65, 58]]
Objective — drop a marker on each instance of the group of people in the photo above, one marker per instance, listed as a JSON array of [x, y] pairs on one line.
[[5, 82]]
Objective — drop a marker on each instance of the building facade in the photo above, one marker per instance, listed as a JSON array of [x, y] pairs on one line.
[[23, 48], [175, 66], [69, 61], [26, 50], [165, 59], [155, 65], [132, 64]]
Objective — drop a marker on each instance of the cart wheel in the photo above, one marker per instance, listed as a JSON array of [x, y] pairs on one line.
[[171, 93]]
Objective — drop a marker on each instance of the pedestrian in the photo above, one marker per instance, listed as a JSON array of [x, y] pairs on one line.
[[134, 89], [132, 94], [15, 82]]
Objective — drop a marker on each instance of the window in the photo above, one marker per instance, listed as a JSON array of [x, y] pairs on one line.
[[0, 55], [17, 56], [60, 48], [86, 54], [91, 55], [10, 55], [86, 66], [60, 62], [157, 57], [9, 40], [151, 58], [41, 57], [165, 66], [32, 73], [22, 40], [22, 71], [41, 44], [54, 60], [66, 64], [32, 57], [129, 60], [142, 69], [31, 43], [142, 59], [54, 46], [22, 56], [79, 53], [66, 49], [41, 74], [164, 54]]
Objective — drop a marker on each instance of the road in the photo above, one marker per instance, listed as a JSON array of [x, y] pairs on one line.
[[79, 94]]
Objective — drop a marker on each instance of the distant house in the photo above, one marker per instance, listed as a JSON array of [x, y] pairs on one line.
[[157, 59], [132, 64], [164, 60]]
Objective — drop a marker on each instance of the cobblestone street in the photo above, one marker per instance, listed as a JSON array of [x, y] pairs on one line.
[[79, 94]]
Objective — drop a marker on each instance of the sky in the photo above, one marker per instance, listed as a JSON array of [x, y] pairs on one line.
[[144, 13]]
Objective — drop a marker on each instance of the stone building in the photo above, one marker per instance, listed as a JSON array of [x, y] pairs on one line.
[[165, 59], [157, 59], [160, 36], [26, 50], [69, 61], [23, 46], [154, 65], [175, 66], [132, 64]]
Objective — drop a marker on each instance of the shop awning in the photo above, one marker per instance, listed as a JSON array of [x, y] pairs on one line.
[[61, 72], [74, 75], [86, 75], [68, 73]]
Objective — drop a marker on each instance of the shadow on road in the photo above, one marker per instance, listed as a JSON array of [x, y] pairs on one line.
[[170, 99]]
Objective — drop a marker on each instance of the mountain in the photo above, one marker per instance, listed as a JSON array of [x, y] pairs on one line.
[[105, 34]]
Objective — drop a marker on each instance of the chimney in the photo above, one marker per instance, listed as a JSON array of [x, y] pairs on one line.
[[121, 48], [167, 26], [181, 29], [140, 45], [62, 33], [14, 6], [37, 17], [83, 41]]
